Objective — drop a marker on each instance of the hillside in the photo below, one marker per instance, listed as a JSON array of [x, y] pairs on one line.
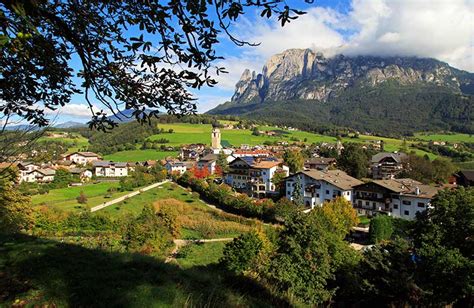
[[381, 95]]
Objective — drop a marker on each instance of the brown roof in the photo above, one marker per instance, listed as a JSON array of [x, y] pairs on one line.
[[85, 154], [320, 160], [408, 187], [337, 178], [468, 174], [266, 164], [45, 171], [209, 158]]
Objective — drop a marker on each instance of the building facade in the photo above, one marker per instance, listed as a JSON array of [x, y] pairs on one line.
[[110, 169], [400, 198], [386, 165], [253, 175], [82, 157], [319, 186]]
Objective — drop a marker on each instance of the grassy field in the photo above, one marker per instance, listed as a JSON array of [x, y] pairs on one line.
[[75, 142], [468, 165], [139, 155], [445, 137], [65, 198], [185, 133], [46, 273], [200, 254], [196, 219]]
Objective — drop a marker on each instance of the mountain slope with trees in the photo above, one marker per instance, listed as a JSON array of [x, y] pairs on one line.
[[381, 95]]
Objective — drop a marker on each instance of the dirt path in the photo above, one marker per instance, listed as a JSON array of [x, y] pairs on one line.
[[179, 243]]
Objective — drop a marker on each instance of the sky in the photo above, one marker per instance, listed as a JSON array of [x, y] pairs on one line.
[[441, 29]]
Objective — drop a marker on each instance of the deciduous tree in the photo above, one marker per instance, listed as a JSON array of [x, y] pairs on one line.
[[118, 68]]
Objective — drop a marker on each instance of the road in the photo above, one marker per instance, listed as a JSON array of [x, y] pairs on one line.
[[120, 199]]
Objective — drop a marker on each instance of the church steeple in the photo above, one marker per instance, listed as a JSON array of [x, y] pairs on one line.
[[216, 138]]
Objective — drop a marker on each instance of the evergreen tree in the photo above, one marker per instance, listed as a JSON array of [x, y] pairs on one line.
[[297, 195]]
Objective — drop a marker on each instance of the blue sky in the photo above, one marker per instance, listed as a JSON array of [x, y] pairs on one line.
[[442, 29]]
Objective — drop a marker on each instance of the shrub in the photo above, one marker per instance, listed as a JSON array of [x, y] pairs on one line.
[[240, 254], [147, 233], [82, 198], [381, 228]]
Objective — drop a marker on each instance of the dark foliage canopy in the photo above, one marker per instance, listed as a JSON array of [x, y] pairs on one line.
[[173, 51]]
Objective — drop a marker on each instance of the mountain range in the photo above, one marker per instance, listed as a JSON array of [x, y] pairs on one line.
[[389, 95]]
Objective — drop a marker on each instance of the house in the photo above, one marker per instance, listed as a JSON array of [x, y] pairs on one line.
[[178, 167], [251, 153], [386, 165], [82, 173], [208, 162], [45, 175], [82, 157], [253, 175], [319, 186], [68, 164], [150, 163], [465, 178], [401, 198], [26, 171], [110, 168], [192, 151], [319, 163]]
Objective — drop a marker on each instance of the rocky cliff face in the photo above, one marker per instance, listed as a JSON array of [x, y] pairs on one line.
[[304, 74]]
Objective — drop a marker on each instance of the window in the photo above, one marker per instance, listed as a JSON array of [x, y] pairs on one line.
[[406, 202], [317, 195], [374, 204], [359, 202], [395, 206], [421, 204], [327, 192], [367, 203], [407, 212]]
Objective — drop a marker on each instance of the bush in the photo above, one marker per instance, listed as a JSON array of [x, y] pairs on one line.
[[81, 199], [240, 254], [223, 196], [147, 233], [381, 228]]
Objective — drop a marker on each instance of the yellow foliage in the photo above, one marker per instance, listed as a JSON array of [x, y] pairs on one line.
[[207, 221], [341, 214]]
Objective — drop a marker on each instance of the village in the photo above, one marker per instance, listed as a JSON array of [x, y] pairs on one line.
[[261, 172]]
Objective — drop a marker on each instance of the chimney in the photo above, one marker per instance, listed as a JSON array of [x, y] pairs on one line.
[[417, 190]]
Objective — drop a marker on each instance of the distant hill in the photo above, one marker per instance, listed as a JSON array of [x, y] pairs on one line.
[[376, 94], [124, 116], [70, 124]]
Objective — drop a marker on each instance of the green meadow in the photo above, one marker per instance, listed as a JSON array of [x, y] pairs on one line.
[[453, 138], [139, 155], [195, 218], [65, 198], [185, 133], [200, 254], [75, 142]]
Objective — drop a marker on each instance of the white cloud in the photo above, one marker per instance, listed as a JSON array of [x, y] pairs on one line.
[[439, 29], [74, 110]]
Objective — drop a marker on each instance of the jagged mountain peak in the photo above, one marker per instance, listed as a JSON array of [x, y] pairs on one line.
[[306, 74], [306, 89]]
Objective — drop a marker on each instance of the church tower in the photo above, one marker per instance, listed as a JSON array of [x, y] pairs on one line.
[[216, 138]]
